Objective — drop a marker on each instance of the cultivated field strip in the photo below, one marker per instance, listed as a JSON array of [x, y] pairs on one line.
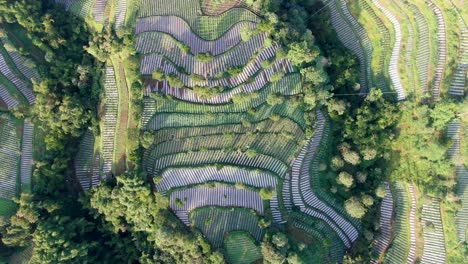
[[66, 3], [9, 158], [462, 192], [110, 119], [21, 85], [156, 44], [279, 67], [458, 84], [275, 210], [379, 71], [306, 200], [98, 10], [84, 160], [350, 40], [120, 13], [385, 222], [206, 27], [96, 174], [27, 153], [25, 66], [322, 232], [215, 222], [82, 8], [171, 120], [423, 47], [184, 201], [393, 67], [218, 65], [364, 40], [179, 177], [453, 133], [399, 248], [412, 225], [268, 144], [6, 97], [180, 30], [433, 231], [288, 85], [441, 50], [260, 161], [282, 126], [408, 57], [286, 192], [214, 8]]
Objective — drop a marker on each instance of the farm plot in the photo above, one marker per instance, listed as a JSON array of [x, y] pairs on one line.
[[304, 197], [434, 241], [207, 27], [214, 7], [82, 8], [217, 156], [381, 40], [288, 85], [269, 144], [168, 120], [19, 83], [241, 248], [441, 50], [179, 177], [462, 191], [25, 66], [282, 126], [120, 13], [26, 154], [399, 248], [279, 68], [423, 56], [393, 66], [184, 201], [156, 44], [10, 101], [84, 160], [180, 30], [98, 10], [458, 84], [352, 40], [111, 102], [386, 218], [216, 222], [9, 158]]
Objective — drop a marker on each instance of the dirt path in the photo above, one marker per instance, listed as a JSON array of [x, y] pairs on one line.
[[120, 153]]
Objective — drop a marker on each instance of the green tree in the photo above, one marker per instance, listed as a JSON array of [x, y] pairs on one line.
[[355, 208], [345, 179], [299, 53]]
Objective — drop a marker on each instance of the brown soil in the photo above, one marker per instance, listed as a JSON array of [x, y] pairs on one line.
[[121, 142]]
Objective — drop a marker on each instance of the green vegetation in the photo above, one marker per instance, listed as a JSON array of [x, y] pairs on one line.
[[240, 248]]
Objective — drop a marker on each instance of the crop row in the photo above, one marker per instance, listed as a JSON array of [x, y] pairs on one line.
[[182, 202], [179, 177], [216, 222]]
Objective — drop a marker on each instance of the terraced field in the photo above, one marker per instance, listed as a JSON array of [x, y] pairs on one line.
[[213, 155], [16, 135]]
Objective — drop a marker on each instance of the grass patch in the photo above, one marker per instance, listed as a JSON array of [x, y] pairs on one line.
[[7, 207], [241, 248]]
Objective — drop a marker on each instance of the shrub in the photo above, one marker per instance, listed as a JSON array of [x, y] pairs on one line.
[[274, 99], [266, 193], [174, 81], [158, 75], [204, 57]]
